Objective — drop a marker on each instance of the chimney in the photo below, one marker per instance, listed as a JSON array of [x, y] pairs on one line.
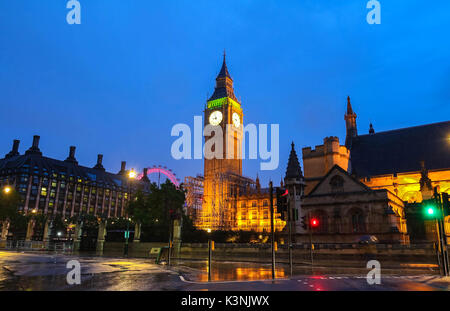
[[36, 141], [99, 159], [71, 157], [123, 166], [35, 147], [99, 165], [144, 177], [15, 149]]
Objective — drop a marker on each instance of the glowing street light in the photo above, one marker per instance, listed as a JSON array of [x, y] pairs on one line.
[[132, 174], [208, 230], [7, 189]]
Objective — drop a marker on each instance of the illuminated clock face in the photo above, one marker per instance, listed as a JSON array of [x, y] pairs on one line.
[[236, 120], [215, 118]]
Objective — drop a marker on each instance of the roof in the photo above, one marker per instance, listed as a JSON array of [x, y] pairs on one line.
[[293, 169], [345, 173], [34, 163], [401, 150], [224, 70], [224, 84]]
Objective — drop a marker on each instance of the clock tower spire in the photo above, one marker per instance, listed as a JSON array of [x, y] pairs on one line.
[[223, 110]]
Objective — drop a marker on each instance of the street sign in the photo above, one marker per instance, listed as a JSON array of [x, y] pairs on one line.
[[155, 250]]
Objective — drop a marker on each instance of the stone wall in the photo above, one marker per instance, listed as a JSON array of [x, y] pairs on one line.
[[342, 254]]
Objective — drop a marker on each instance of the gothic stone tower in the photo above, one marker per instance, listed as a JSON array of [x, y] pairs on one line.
[[295, 184], [223, 111], [350, 124]]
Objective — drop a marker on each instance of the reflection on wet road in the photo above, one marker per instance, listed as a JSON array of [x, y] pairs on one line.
[[26, 271]]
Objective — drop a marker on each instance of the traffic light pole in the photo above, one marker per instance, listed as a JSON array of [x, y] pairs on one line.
[[442, 243], [290, 233], [272, 229], [310, 240], [170, 242], [127, 233], [209, 258]]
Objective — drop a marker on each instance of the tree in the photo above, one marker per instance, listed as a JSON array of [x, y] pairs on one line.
[[154, 209], [9, 204]]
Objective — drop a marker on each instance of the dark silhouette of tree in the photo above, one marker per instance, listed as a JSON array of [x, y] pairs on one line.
[[154, 210], [9, 204]]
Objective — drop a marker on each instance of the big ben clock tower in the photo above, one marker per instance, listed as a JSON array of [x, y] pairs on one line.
[[222, 109]]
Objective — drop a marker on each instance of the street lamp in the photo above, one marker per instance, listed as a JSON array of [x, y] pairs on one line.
[[209, 253], [7, 189], [132, 174]]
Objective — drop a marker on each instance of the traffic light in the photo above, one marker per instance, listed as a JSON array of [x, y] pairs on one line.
[[304, 223], [282, 205], [174, 214], [430, 208], [314, 222], [446, 203], [295, 212]]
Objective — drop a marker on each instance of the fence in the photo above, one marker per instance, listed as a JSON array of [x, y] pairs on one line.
[[60, 247]]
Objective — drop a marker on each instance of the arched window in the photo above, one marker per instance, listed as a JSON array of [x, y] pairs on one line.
[[357, 221], [337, 183]]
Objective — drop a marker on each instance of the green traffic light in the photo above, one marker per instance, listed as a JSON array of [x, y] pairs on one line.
[[430, 211]]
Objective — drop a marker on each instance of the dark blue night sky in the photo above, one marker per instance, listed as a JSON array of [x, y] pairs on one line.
[[117, 83]]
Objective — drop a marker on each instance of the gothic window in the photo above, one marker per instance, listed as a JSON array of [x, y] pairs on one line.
[[254, 204], [357, 221], [337, 183]]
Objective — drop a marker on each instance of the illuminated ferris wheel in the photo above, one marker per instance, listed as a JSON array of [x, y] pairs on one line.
[[161, 170]]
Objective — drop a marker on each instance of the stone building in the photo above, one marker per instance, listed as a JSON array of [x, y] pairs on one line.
[[54, 187], [232, 201], [347, 209], [405, 165]]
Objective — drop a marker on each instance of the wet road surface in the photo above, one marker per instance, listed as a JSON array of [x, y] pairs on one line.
[[30, 272]]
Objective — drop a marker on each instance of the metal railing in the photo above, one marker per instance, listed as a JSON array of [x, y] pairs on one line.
[[60, 247]]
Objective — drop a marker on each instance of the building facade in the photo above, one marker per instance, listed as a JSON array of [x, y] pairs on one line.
[[53, 187], [231, 201], [404, 166]]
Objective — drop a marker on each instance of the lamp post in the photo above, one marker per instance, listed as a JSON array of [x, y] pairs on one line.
[[131, 176], [7, 190], [272, 229], [209, 254], [127, 236]]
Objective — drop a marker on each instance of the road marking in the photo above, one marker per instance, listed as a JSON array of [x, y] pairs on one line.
[[225, 282]]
